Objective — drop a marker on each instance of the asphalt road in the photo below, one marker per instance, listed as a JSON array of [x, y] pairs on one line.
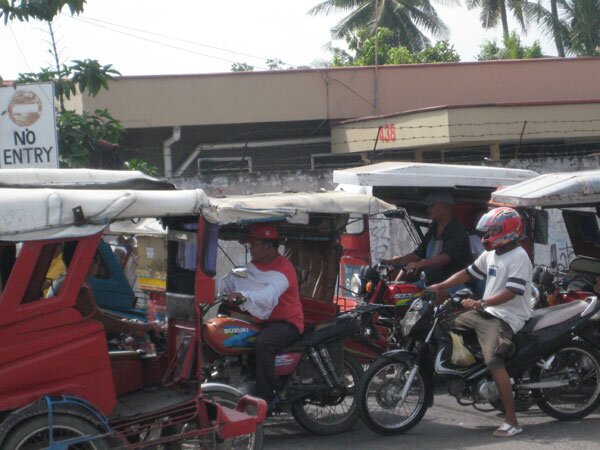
[[447, 425]]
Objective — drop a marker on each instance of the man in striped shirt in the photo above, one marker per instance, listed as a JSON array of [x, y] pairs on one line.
[[505, 307]]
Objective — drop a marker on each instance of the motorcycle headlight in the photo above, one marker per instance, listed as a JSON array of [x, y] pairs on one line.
[[356, 284], [535, 297], [409, 321]]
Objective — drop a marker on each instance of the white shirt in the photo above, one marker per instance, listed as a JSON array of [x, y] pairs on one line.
[[262, 290], [511, 270]]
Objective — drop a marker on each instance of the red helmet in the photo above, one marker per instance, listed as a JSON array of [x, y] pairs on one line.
[[501, 226]]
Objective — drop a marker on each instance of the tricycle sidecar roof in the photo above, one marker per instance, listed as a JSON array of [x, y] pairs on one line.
[[411, 174], [81, 179], [553, 190], [53, 213]]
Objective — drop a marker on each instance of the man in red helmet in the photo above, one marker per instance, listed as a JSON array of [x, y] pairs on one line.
[[271, 295], [505, 307]]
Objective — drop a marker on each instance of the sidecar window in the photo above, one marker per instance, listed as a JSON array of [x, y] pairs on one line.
[[8, 254], [39, 281]]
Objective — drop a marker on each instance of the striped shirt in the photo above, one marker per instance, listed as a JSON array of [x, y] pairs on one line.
[[511, 270]]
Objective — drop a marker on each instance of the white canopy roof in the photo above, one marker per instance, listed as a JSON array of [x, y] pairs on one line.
[[412, 174], [80, 178], [49, 213], [553, 190]]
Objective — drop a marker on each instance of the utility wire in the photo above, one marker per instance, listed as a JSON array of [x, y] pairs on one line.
[[152, 33], [160, 43], [107, 26]]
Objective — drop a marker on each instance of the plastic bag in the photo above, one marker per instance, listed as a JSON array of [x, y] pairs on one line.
[[461, 356]]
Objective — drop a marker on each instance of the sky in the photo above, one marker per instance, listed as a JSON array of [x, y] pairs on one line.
[[151, 37]]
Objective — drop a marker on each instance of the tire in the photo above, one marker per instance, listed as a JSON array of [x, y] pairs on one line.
[[379, 391], [579, 363], [336, 416], [33, 433]]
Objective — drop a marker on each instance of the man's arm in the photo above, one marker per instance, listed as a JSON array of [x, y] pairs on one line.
[[503, 296], [457, 279], [411, 257]]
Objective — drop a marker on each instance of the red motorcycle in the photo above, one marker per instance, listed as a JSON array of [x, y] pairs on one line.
[[377, 285], [316, 380], [556, 287]]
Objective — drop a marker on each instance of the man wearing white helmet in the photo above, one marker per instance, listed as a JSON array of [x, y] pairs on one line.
[[504, 309]]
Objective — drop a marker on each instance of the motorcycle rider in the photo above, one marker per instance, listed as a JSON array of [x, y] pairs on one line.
[[270, 293], [445, 248], [504, 309]]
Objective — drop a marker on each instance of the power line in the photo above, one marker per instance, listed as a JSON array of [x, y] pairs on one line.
[[107, 25], [152, 33]]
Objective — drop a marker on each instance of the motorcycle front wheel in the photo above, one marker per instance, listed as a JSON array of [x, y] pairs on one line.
[[380, 406], [579, 365], [331, 416]]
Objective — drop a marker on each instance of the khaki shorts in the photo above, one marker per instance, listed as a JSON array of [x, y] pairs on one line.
[[494, 335]]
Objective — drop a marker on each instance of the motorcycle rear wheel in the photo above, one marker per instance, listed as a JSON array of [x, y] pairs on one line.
[[380, 390], [326, 419], [580, 364]]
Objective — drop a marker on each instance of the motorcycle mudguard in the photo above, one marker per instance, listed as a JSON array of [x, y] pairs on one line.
[[404, 356], [217, 387]]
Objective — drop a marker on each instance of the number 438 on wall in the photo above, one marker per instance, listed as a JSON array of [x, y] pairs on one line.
[[387, 133]]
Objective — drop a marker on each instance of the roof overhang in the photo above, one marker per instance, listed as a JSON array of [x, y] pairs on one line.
[[469, 125]]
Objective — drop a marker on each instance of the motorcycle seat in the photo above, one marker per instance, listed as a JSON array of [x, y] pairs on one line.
[[324, 332], [547, 317]]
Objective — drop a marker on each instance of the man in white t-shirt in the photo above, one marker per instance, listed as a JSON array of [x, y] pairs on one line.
[[505, 307]]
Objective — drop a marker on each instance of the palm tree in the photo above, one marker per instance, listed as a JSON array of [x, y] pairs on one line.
[[573, 24], [582, 18], [493, 11], [550, 22], [408, 19]]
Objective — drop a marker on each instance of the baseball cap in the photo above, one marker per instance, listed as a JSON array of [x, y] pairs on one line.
[[261, 232], [438, 197]]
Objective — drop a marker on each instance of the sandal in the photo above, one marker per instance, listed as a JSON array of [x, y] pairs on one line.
[[507, 430]]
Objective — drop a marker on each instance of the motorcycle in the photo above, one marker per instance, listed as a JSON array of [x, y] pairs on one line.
[[554, 361], [557, 287], [315, 379], [377, 285]]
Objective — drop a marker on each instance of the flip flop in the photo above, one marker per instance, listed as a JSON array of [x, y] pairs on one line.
[[507, 430]]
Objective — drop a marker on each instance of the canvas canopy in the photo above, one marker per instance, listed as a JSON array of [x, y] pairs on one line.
[[80, 179], [53, 213], [409, 174], [553, 190]]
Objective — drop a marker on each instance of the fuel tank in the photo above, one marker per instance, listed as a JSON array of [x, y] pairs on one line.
[[230, 336], [401, 295]]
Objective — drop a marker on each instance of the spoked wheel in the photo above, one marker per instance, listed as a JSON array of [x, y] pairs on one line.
[[335, 415], [34, 433], [579, 365], [380, 405]]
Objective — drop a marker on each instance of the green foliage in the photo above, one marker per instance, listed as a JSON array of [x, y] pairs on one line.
[[79, 135], [45, 10], [274, 64], [411, 21], [512, 49], [363, 44], [241, 67], [88, 76], [142, 166]]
